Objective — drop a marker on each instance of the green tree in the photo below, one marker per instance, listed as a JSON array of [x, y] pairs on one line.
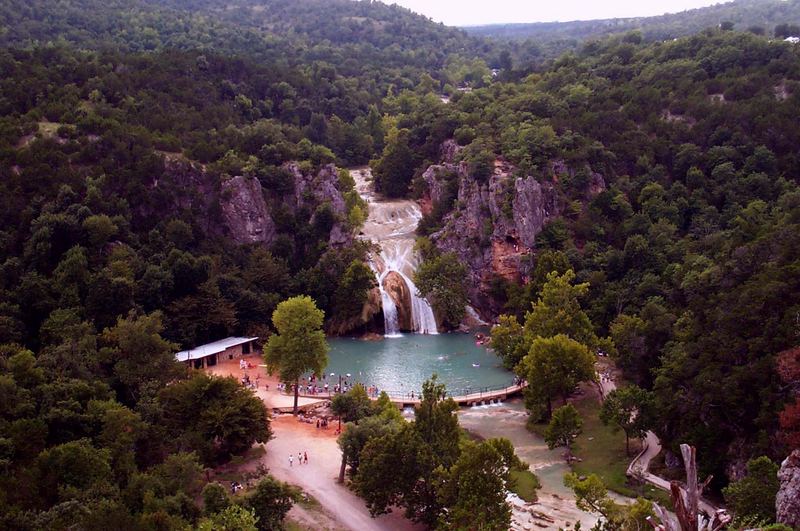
[[120, 430], [232, 518], [754, 495], [215, 416], [356, 436], [441, 281], [299, 345], [390, 473], [629, 335], [630, 409], [553, 367], [269, 502], [564, 426], [787, 30], [396, 469], [353, 290], [139, 354], [99, 229], [73, 470], [215, 498], [436, 421], [474, 489], [558, 311], [393, 171], [591, 495], [547, 261], [353, 405], [508, 340]]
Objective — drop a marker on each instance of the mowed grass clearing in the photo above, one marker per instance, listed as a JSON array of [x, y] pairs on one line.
[[602, 452]]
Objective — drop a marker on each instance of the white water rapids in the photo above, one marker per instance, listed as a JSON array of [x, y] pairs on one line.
[[392, 224]]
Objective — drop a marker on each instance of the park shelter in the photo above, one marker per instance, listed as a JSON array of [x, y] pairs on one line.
[[212, 353]]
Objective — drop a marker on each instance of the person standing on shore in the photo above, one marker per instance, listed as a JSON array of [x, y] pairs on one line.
[[291, 458], [305, 458]]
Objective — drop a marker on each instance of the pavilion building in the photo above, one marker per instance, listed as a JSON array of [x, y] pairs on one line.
[[213, 353]]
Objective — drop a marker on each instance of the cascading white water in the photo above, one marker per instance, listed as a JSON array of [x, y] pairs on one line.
[[391, 323], [392, 225]]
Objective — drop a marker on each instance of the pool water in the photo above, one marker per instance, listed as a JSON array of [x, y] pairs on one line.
[[399, 365]]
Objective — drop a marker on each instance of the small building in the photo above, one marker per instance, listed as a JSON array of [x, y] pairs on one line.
[[213, 353]]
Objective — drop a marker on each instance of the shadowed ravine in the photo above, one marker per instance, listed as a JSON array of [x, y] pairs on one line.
[[392, 225]]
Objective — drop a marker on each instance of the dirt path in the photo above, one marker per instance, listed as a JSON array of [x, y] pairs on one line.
[[319, 476], [652, 447]]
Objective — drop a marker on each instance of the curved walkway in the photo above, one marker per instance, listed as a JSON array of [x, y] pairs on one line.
[[639, 467], [477, 398]]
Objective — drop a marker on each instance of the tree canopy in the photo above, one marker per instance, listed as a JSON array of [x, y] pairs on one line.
[[299, 345]]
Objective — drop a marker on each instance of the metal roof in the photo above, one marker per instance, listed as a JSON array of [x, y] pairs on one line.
[[212, 348]]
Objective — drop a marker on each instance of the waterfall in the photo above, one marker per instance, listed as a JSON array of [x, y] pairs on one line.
[[392, 225], [424, 321], [391, 324]]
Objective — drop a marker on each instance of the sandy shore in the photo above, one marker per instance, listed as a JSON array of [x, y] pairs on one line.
[[319, 476], [341, 508]]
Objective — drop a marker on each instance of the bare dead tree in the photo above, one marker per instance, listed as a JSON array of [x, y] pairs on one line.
[[686, 503]]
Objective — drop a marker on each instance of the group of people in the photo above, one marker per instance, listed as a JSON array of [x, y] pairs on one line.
[[253, 384], [302, 458], [316, 386]]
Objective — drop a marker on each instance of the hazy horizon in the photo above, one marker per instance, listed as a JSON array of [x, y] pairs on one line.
[[477, 13]]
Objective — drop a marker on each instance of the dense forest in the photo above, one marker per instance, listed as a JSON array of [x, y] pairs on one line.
[[128, 128], [757, 16], [690, 249]]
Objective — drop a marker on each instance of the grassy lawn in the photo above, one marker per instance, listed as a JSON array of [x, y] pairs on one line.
[[289, 525], [602, 452], [525, 485]]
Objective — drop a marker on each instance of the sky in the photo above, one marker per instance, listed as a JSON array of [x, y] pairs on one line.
[[475, 12]]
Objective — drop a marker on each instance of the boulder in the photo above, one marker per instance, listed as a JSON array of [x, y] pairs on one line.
[[787, 502], [396, 287]]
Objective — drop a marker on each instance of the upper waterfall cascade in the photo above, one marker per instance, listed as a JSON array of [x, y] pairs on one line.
[[392, 225]]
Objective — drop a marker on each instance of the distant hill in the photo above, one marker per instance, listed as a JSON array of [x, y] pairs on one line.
[[352, 36], [757, 15]]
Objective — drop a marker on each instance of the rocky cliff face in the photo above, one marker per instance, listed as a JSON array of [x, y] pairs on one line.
[[240, 209], [494, 224], [244, 211], [787, 502]]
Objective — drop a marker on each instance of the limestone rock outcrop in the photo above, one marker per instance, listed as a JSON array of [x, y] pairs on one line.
[[244, 211], [494, 223], [787, 502], [397, 289], [322, 187], [239, 207]]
